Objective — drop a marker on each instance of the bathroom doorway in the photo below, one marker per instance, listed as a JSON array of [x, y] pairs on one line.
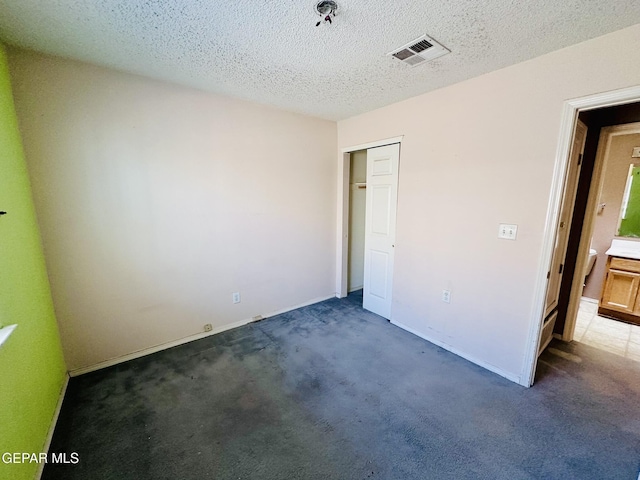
[[594, 324], [598, 202], [596, 111]]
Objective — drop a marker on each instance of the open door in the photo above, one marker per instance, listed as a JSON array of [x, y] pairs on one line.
[[380, 228], [556, 270]]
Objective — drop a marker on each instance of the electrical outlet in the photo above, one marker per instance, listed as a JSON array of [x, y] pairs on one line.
[[208, 327], [446, 296], [236, 297]]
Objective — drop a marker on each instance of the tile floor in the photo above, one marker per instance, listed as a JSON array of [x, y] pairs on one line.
[[606, 334]]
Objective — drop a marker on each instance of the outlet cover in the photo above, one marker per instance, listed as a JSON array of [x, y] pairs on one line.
[[507, 231], [236, 297], [208, 327]]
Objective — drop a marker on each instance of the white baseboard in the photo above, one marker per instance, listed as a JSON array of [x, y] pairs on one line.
[[492, 368], [589, 300], [163, 346], [305, 304], [52, 427]]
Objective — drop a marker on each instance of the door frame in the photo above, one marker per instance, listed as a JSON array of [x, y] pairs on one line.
[[569, 117], [342, 226], [595, 189]]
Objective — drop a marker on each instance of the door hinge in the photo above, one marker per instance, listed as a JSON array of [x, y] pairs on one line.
[[548, 274], [561, 268], [561, 224], [579, 159]]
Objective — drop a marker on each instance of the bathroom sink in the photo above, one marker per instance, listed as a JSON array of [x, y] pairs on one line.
[[625, 249]]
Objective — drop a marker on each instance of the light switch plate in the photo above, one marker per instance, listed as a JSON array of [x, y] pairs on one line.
[[507, 231], [446, 296]]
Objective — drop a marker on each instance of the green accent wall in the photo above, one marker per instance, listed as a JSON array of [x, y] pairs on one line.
[[630, 225], [32, 369]]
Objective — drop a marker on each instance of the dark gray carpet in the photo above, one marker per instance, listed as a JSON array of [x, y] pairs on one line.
[[331, 391]]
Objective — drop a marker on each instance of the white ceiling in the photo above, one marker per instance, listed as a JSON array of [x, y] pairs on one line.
[[271, 52]]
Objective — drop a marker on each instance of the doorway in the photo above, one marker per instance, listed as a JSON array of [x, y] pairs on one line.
[[357, 213], [595, 315], [366, 222], [595, 111]]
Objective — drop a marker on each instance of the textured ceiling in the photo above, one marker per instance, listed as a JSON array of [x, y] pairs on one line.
[[271, 52]]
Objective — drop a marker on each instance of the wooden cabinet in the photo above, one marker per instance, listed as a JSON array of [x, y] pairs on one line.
[[621, 290]]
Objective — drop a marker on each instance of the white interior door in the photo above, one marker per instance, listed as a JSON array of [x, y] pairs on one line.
[[380, 228], [556, 269]]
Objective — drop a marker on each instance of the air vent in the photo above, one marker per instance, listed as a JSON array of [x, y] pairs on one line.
[[421, 46], [418, 51]]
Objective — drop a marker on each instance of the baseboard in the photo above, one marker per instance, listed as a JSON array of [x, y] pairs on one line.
[[470, 358], [156, 348], [163, 346], [589, 300], [52, 427], [305, 304]]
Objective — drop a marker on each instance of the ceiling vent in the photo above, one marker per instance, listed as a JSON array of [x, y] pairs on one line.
[[421, 50]]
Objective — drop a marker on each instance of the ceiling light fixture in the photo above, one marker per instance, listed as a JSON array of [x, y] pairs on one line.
[[326, 9]]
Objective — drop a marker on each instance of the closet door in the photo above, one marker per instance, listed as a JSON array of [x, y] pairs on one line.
[[380, 228]]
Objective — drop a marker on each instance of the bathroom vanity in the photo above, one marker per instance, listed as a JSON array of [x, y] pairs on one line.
[[621, 290]]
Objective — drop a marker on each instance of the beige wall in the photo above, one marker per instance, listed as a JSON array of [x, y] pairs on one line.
[[156, 202], [357, 204], [474, 155], [615, 173]]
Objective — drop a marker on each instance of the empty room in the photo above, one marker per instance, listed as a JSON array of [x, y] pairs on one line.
[[323, 239]]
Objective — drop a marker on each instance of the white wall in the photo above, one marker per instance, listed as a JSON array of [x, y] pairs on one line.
[[156, 202], [474, 155], [357, 209]]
